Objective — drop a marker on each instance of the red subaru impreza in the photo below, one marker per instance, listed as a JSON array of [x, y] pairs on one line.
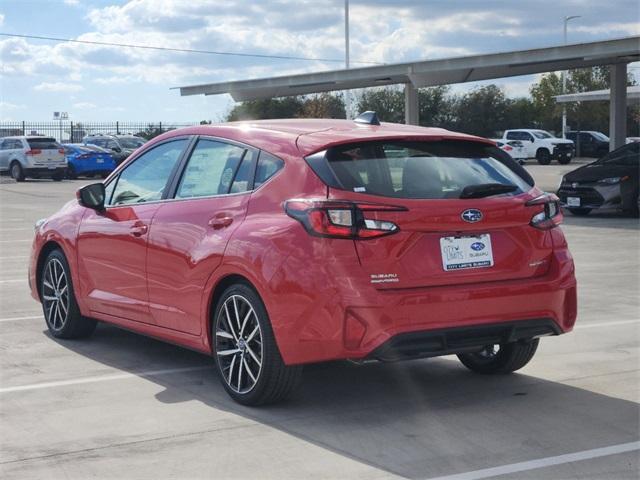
[[273, 244]]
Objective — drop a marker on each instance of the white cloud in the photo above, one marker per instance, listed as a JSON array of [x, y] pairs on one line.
[[4, 106], [73, 3], [58, 87], [84, 105], [1, 19]]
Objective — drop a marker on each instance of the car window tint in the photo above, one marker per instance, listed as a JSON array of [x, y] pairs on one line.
[[430, 170], [242, 180], [210, 169], [146, 178], [108, 192], [629, 155], [268, 166], [43, 143]]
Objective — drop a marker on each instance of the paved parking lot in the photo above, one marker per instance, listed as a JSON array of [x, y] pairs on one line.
[[123, 406]]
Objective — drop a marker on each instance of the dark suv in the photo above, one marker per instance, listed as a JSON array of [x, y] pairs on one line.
[[119, 146], [589, 143]]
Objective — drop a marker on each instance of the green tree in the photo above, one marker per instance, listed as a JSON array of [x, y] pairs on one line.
[[437, 107], [285, 107], [387, 102], [482, 111], [324, 105]]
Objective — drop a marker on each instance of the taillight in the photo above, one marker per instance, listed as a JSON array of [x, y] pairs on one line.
[[550, 216], [61, 150], [507, 148], [341, 219], [33, 151]]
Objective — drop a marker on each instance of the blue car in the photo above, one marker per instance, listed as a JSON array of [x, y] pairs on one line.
[[88, 160]]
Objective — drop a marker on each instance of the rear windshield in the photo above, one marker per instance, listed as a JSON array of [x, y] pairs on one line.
[[43, 143], [430, 170]]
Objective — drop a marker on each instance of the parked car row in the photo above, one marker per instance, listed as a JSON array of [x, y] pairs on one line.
[[610, 182], [542, 146], [44, 157]]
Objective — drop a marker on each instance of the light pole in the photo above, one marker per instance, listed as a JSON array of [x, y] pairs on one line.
[[564, 77], [347, 94]]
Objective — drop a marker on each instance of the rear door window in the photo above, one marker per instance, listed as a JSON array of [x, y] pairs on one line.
[[43, 143], [212, 169], [429, 170]]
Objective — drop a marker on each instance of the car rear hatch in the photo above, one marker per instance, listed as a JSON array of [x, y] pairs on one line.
[[46, 152], [435, 237]]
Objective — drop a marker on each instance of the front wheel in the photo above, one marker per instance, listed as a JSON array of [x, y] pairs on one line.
[[543, 156], [504, 358], [59, 304], [565, 160], [246, 355]]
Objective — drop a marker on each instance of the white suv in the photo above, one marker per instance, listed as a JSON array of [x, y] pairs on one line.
[[543, 146], [35, 157]]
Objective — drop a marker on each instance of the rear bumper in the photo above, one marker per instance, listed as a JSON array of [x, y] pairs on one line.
[[433, 343], [45, 172], [348, 319], [591, 196]]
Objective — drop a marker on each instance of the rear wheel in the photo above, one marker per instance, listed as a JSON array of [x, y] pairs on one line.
[[246, 355], [580, 212], [59, 304], [504, 358], [16, 172], [71, 173], [543, 156]]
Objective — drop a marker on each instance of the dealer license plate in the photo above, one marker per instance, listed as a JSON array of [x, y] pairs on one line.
[[460, 253], [573, 201]]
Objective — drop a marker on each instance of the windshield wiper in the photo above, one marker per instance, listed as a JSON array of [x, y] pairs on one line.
[[486, 190]]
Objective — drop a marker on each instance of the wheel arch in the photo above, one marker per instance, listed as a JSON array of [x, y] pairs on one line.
[[46, 249], [222, 284]]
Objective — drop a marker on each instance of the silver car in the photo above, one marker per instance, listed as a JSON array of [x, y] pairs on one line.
[[32, 156]]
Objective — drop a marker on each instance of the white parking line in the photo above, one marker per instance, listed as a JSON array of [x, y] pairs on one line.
[[606, 324], [16, 229], [14, 257], [15, 280], [543, 462], [13, 319], [102, 378], [16, 241]]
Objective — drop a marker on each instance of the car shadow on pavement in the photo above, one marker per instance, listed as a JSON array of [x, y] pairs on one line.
[[415, 419]]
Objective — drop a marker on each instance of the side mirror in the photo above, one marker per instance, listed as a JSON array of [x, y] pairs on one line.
[[92, 196]]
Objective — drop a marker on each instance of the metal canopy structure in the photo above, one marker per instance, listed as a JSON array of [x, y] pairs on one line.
[[431, 72], [633, 95], [618, 52]]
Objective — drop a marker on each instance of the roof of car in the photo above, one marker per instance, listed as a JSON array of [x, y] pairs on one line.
[[313, 135]]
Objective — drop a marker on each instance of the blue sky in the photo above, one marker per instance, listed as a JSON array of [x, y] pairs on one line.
[[98, 83]]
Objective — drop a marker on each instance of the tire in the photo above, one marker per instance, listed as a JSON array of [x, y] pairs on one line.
[[508, 358], [564, 160], [71, 173], [17, 173], [265, 378], [104, 175], [580, 212], [57, 295], [543, 156], [58, 176]]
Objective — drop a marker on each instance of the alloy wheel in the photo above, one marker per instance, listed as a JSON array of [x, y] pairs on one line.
[[55, 294], [239, 345]]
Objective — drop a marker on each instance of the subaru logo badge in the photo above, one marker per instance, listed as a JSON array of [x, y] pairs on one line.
[[477, 246], [471, 215]]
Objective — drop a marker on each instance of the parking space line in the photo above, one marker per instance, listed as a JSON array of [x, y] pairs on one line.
[[14, 257], [543, 462], [606, 324], [13, 319], [17, 241], [15, 280], [103, 378]]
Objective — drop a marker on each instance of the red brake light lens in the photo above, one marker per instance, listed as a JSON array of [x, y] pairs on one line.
[[551, 215], [341, 219], [33, 151], [61, 150]]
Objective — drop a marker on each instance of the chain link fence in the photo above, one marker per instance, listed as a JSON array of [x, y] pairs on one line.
[[66, 131]]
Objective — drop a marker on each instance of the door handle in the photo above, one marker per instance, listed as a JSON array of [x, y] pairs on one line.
[[220, 222], [139, 230]]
